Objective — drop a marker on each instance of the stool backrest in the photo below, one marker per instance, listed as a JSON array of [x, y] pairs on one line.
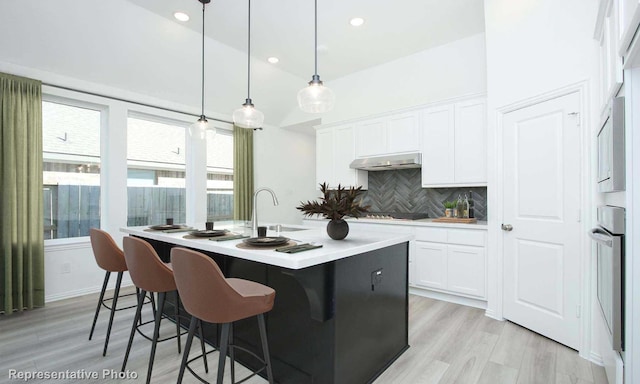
[[107, 253], [203, 289], [147, 271]]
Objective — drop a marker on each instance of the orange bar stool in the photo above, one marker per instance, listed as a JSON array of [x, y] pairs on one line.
[[208, 296], [110, 258], [150, 274]]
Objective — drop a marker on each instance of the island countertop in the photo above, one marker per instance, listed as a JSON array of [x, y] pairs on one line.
[[357, 242]]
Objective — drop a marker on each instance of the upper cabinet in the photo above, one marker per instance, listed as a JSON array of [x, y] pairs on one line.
[[335, 150], [609, 36], [627, 13], [394, 133], [454, 151]]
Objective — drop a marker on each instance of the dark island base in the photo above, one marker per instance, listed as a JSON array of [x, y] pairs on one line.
[[340, 322]]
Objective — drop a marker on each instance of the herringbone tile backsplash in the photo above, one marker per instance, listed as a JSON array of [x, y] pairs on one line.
[[401, 191]]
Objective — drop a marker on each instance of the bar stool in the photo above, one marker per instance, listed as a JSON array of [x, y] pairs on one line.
[[150, 274], [110, 258], [208, 296]]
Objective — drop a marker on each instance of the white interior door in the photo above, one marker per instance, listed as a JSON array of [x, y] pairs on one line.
[[541, 146]]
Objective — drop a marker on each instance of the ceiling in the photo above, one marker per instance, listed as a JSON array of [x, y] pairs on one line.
[[284, 29]]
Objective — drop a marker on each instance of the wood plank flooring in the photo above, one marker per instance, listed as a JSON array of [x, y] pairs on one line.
[[449, 344]]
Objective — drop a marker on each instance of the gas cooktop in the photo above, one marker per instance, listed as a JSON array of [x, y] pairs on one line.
[[396, 215]]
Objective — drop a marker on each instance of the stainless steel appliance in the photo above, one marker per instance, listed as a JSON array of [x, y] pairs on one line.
[[396, 215], [384, 163], [611, 166], [609, 238]]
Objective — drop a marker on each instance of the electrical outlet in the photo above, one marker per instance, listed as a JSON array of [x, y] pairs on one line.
[[376, 278], [65, 268]]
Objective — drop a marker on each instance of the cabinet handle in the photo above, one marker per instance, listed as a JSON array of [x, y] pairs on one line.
[[507, 227]]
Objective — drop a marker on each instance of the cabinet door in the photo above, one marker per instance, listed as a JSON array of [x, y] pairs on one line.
[[344, 152], [470, 142], [403, 133], [324, 156], [437, 148], [466, 270], [371, 138], [430, 265]]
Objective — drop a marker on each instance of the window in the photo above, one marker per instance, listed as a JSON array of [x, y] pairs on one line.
[[156, 171], [71, 169], [219, 175]]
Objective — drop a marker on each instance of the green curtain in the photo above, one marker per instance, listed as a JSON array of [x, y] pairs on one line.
[[21, 232], [242, 173]]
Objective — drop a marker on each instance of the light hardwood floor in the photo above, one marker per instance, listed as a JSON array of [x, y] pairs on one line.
[[449, 344]]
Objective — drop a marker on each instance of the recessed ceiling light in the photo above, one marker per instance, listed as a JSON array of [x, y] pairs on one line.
[[181, 16], [273, 60], [356, 21]]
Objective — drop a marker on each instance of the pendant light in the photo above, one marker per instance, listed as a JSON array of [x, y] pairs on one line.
[[199, 128], [316, 98], [248, 116]]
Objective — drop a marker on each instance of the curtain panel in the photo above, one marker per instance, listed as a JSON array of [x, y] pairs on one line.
[[21, 207], [242, 173]]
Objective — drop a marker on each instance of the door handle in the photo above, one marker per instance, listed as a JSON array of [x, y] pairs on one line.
[[507, 227]]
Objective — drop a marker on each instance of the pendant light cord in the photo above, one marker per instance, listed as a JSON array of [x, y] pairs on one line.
[[249, 54], [202, 110], [316, 36]]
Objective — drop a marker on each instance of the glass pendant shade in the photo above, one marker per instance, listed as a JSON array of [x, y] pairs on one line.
[[316, 98], [199, 128], [248, 116]]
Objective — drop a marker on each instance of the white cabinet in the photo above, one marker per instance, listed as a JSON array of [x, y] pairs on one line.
[[335, 150], [451, 261], [608, 33], [454, 149], [394, 133], [628, 19]]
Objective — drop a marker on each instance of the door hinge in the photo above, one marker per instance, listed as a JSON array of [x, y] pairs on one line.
[[577, 116], [578, 311]]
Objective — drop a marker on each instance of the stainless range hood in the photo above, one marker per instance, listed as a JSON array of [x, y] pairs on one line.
[[384, 163]]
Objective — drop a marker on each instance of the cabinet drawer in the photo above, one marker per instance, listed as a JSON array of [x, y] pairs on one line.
[[436, 235], [466, 237]]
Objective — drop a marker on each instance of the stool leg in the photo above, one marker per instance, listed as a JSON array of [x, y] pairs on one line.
[[224, 343], [232, 355], [177, 311], [187, 347], [141, 297], [265, 346], [153, 304], [204, 351], [104, 288], [138, 296], [156, 331], [113, 311]]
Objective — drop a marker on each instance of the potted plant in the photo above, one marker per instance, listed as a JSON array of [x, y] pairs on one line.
[[334, 205], [449, 207]]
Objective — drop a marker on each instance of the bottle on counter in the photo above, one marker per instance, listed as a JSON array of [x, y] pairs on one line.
[[472, 213], [465, 212], [459, 207]]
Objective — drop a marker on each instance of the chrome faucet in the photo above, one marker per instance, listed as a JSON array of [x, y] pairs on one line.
[[254, 218]]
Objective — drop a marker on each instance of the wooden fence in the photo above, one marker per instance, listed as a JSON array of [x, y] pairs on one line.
[[70, 210]]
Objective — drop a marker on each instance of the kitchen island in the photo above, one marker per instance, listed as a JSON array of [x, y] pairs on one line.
[[341, 311]]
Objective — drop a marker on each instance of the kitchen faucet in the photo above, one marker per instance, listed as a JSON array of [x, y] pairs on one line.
[[254, 218]]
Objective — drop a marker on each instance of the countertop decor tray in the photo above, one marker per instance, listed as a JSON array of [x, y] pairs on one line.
[[455, 220]]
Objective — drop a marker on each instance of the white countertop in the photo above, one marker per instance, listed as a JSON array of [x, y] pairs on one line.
[[355, 243], [482, 225]]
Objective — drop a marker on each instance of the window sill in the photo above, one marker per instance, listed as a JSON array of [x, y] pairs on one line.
[[70, 243]]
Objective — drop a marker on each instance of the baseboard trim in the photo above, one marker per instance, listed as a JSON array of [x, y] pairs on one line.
[[596, 359], [450, 298], [82, 292]]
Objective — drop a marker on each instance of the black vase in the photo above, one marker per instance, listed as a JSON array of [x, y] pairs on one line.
[[338, 229]]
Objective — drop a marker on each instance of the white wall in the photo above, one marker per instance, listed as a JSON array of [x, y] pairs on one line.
[[535, 47], [447, 71], [284, 160]]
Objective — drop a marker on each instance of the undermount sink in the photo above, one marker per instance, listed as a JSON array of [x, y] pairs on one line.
[[286, 229]]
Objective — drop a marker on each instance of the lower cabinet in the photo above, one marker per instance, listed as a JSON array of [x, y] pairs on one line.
[[449, 267]]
